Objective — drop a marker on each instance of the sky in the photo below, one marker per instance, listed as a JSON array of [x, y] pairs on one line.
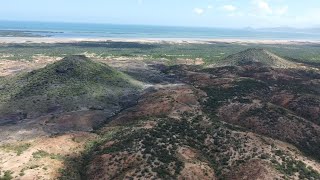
[[197, 13]]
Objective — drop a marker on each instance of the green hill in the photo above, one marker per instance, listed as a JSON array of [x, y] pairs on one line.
[[73, 83], [258, 57]]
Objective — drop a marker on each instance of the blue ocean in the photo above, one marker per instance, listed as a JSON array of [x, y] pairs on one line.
[[82, 30]]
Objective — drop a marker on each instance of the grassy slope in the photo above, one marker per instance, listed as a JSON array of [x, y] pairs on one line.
[[71, 83], [254, 55]]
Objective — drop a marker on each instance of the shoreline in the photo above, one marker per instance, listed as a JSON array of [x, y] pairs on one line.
[[52, 40]]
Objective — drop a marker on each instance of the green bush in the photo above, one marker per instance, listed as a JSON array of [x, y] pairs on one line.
[[7, 175]]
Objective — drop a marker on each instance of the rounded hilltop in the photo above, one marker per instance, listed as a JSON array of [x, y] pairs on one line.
[[256, 56], [69, 63], [78, 65]]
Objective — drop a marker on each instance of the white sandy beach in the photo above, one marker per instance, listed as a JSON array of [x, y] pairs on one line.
[[8, 40]]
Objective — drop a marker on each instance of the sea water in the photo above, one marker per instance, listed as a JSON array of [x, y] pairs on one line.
[[87, 30]]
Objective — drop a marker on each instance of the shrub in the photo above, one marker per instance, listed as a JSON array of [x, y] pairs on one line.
[[7, 175]]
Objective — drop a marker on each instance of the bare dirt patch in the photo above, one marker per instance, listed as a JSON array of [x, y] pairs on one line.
[[44, 157]]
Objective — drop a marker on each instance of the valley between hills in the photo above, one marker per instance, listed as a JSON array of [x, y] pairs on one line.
[[116, 110]]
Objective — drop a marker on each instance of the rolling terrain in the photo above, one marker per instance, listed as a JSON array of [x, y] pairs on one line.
[[250, 115]]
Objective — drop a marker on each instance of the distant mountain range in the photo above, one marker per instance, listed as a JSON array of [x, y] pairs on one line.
[[289, 29]]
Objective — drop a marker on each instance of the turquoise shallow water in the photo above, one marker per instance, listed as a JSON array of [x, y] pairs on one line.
[[81, 30]]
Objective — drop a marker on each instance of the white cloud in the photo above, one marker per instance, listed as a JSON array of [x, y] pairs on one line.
[[229, 8], [262, 6], [198, 11], [210, 6]]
